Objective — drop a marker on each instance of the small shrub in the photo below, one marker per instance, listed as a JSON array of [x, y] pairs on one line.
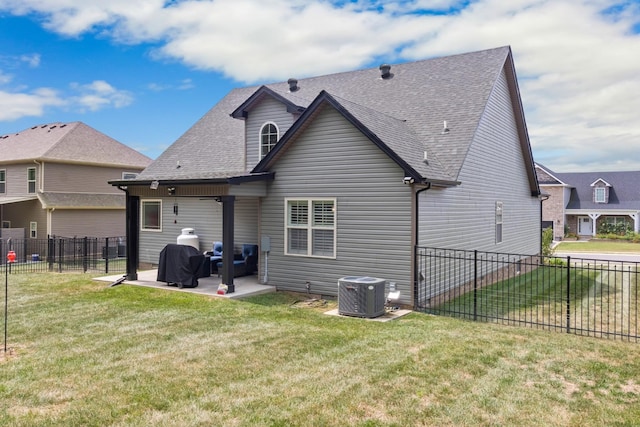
[[547, 242]]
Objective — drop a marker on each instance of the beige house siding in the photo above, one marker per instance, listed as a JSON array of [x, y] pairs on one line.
[[22, 214], [93, 223], [80, 178], [16, 179]]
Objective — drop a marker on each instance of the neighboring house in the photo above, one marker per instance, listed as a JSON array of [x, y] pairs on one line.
[[342, 175], [587, 203], [54, 181]]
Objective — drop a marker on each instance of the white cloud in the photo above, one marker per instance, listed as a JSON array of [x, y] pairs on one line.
[[5, 78], [16, 105], [576, 60], [32, 59], [99, 94]]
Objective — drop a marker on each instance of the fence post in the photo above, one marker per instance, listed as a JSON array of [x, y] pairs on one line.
[[51, 249], [568, 294], [60, 254], [106, 258], [475, 285], [85, 254]]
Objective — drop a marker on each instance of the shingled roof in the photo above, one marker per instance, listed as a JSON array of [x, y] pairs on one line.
[[624, 192], [414, 101], [73, 142]]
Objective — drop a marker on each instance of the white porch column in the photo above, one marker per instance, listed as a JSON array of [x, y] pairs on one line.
[[594, 217], [636, 222]]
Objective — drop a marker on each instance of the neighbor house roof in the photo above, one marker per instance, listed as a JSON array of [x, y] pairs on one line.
[[72, 142], [624, 193], [405, 112]]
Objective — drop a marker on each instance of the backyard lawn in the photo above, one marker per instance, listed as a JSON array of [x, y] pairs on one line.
[[84, 354]]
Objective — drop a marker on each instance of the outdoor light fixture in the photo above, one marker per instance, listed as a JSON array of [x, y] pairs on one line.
[[408, 180], [154, 185], [172, 190]]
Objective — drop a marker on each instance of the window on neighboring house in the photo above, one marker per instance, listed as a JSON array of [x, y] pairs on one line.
[[311, 227], [268, 138], [31, 180], [3, 181], [498, 222], [151, 215], [33, 230], [129, 175], [600, 194], [6, 224]]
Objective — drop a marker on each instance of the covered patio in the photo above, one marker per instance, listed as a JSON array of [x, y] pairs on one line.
[[244, 286]]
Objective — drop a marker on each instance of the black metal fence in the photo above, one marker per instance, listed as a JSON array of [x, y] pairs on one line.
[[63, 254], [598, 298]]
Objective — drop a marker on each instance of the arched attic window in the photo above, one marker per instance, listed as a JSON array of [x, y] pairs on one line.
[[268, 138]]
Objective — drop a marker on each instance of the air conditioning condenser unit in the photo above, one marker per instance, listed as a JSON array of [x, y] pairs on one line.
[[361, 296]]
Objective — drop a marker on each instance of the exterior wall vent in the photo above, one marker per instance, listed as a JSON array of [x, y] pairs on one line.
[[293, 85]]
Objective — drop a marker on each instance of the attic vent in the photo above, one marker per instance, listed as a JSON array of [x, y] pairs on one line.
[[53, 127], [62, 125], [43, 126], [293, 85], [385, 71], [34, 127]]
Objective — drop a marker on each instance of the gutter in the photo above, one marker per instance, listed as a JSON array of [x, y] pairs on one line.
[[178, 181]]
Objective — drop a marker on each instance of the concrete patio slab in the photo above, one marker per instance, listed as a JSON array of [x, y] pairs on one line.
[[244, 286], [387, 316]]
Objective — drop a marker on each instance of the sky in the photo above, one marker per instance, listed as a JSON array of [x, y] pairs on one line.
[[144, 71]]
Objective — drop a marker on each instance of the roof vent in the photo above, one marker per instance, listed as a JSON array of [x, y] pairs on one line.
[[293, 85], [385, 71]]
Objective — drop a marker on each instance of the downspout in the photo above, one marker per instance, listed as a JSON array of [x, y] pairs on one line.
[[416, 278]]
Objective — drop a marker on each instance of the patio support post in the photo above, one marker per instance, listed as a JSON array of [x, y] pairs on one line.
[[227, 242], [132, 226]]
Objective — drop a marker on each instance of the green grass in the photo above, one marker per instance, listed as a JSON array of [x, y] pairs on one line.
[[84, 354], [598, 246]]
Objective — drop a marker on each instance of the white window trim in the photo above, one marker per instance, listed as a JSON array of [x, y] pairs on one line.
[[33, 230], [310, 226], [129, 175], [34, 180], [4, 181], [154, 230], [602, 191], [499, 220], [260, 156]]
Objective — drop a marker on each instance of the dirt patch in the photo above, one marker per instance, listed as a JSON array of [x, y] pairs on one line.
[[311, 303]]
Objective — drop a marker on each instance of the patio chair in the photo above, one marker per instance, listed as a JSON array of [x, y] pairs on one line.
[[245, 263]]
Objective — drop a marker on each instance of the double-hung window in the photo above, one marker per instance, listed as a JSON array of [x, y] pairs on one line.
[[3, 181], [600, 194], [310, 228], [31, 180], [151, 215]]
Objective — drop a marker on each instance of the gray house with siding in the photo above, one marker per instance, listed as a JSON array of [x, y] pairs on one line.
[[54, 181], [344, 174], [587, 203]]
